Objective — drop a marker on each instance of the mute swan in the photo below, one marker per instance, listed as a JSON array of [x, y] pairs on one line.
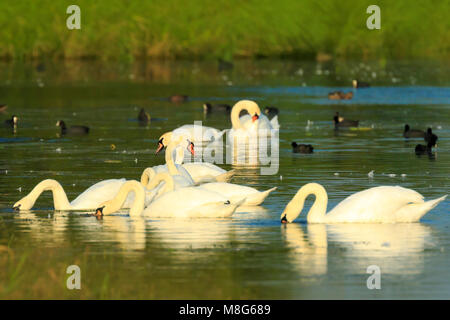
[[89, 199], [379, 204], [198, 133], [200, 172], [234, 192], [184, 202], [254, 120]]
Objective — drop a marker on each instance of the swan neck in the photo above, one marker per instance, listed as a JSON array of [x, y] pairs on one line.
[[169, 159], [139, 198], [179, 155], [235, 122], [318, 209], [160, 177], [147, 175], [60, 201]]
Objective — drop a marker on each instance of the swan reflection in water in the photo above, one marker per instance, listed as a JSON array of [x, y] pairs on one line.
[[397, 249]]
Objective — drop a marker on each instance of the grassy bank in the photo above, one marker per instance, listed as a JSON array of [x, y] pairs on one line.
[[120, 29]]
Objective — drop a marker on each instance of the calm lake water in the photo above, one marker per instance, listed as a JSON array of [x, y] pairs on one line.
[[251, 255]]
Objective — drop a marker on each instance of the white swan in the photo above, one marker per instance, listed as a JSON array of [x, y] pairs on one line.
[[89, 199], [253, 121], [201, 172], [185, 202], [198, 133], [379, 204], [234, 192]]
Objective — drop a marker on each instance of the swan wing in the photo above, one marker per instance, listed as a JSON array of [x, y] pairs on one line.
[[100, 192], [229, 189], [378, 204], [199, 170], [182, 202]]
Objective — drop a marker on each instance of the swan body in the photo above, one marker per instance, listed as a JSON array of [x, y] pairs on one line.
[[89, 199], [384, 204], [200, 172], [234, 192], [198, 134], [185, 202]]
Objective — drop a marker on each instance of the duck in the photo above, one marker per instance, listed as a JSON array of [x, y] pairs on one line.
[[430, 136], [200, 172], [178, 98], [143, 116], [301, 148], [12, 123], [271, 111], [3, 108], [339, 95], [188, 202], [213, 108], [413, 133], [360, 84], [72, 130], [341, 122], [421, 149], [383, 204], [253, 122]]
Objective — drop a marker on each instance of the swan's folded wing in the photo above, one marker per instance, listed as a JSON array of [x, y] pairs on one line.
[[375, 204], [100, 192]]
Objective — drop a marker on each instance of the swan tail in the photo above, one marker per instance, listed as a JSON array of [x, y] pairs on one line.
[[225, 177], [219, 135], [255, 199], [415, 211], [274, 123]]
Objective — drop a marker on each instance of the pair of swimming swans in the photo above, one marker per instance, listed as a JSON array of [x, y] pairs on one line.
[[383, 204], [89, 199], [185, 202]]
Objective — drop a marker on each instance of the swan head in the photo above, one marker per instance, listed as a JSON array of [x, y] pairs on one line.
[[166, 138], [290, 212], [23, 204], [164, 141], [251, 107]]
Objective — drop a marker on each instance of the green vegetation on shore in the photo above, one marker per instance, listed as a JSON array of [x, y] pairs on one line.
[[197, 29]]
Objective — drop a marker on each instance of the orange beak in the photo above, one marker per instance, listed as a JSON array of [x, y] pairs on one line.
[[191, 149], [160, 147], [255, 117]]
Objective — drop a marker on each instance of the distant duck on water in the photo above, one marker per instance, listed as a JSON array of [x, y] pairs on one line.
[[339, 95], [360, 84], [301, 148], [178, 98], [143, 116], [413, 133], [271, 111], [431, 142], [216, 108], [12, 123], [341, 122], [72, 130]]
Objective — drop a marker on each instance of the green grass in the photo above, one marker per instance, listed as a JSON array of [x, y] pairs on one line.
[[194, 29]]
